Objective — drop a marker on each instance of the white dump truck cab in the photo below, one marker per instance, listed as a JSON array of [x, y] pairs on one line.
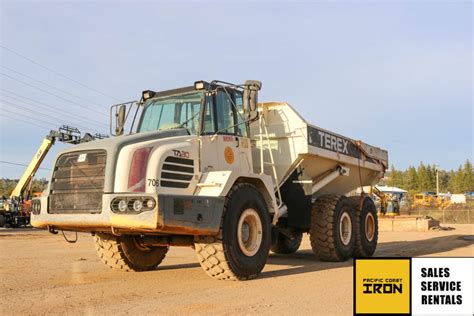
[[207, 166]]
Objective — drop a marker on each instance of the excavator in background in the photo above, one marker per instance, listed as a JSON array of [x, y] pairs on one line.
[[389, 206], [17, 208]]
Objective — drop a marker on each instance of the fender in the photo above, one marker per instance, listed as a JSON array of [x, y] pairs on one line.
[[219, 183]]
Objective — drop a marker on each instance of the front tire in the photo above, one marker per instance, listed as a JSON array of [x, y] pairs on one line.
[[332, 228], [125, 253], [241, 249]]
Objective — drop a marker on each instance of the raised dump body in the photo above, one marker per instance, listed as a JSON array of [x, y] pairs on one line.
[[313, 151]]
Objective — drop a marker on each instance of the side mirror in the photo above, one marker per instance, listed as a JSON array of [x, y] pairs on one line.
[[120, 120], [251, 88]]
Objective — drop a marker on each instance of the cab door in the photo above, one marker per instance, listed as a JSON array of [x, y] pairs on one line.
[[225, 143], [233, 145]]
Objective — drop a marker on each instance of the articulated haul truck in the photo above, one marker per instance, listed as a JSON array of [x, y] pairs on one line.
[[209, 167]]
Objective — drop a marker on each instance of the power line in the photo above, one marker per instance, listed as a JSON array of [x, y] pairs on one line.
[[50, 93], [21, 120], [57, 73], [61, 112], [48, 105], [49, 85], [29, 117], [20, 164], [43, 114]]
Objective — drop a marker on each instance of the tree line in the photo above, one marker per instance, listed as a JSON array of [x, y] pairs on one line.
[[423, 178], [7, 186]]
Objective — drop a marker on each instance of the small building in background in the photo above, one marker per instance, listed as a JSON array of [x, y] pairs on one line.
[[458, 199], [394, 192]]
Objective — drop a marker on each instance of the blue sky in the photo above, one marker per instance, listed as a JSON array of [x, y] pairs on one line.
[[396, 74]]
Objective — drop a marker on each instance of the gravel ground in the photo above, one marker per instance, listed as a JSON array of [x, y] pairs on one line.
[[42, 274]]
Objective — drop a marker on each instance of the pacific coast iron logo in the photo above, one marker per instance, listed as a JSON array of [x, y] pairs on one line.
[[382, 286]]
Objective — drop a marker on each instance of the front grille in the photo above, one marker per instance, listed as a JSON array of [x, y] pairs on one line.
[[177, 172], [78, 183]]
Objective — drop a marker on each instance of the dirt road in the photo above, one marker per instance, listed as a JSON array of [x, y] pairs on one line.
[[42, 274]]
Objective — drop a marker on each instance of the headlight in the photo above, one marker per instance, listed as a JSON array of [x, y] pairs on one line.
[[122, 206], [132, 204], [137, 205], [149, 203]]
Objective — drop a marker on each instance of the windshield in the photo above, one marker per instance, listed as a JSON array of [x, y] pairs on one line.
[[176, 111]]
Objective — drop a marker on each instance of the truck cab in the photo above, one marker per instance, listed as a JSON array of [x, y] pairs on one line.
[[166, 180]]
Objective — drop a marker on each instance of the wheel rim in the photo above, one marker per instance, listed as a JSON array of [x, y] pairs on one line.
[[249, 232], [345, 228], [369, 227]]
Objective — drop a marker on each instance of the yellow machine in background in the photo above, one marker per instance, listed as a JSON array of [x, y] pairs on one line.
[[16, 210], [426, 200], [33, 166], [389, 204]]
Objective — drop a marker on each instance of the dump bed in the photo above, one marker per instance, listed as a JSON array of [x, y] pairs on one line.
[[312, 152]]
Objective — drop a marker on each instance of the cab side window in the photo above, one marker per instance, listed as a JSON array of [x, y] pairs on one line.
[[241, 127], [225, 113], [230, 113], [208, 120]]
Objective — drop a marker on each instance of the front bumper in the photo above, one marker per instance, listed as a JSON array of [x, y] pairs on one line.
[[173, 214]]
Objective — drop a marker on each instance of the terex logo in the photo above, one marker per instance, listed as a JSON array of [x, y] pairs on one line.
[[334, 143], [181, 153]]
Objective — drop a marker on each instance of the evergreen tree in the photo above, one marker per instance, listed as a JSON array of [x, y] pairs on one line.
[[411, 183], [468, 180], [456, 181], [443, 181], [396, 177], [423, 178], [431, 171]]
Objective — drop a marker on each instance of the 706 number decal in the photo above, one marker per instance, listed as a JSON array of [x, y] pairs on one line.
[[153, 182]]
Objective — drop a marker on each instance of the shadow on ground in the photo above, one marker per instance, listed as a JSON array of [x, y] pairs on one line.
[[424, 247], [304, 261]]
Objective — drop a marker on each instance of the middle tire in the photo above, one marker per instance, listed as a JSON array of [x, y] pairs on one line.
[[241, 249], [332, 228], [284, 245]]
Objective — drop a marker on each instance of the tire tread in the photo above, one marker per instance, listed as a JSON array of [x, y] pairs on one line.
[[111, 252], [322, 224], [210, 249]]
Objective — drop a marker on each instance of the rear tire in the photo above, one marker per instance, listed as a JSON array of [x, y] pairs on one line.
[[2, 220], [284, 245], [332, 228], [241, 249], [366, 227], [126, 254]]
